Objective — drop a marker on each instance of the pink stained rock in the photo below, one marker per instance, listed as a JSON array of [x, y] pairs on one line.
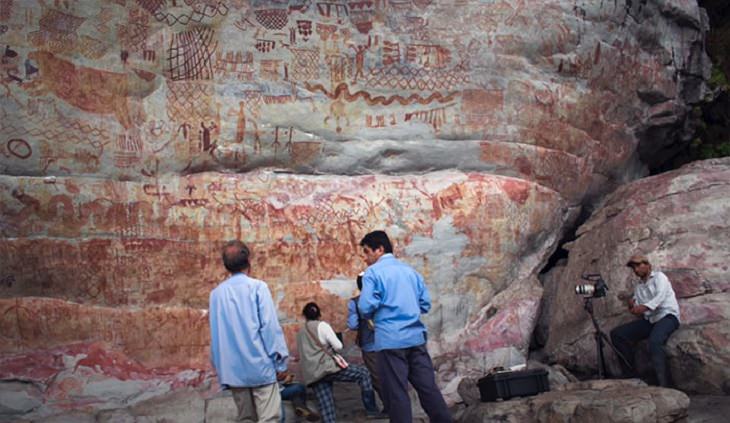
[[679, 220]]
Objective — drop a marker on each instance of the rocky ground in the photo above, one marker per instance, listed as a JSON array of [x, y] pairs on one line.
[[599, 401]]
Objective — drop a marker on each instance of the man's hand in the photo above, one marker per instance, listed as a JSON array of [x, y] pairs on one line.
[[285, 377], [639, 310], [631, 303]]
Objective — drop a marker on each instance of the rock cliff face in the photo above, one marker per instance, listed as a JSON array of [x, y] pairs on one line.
[[679, 219], [137, 136]]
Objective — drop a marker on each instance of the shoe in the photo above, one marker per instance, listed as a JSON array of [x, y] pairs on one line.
[[307, 414]]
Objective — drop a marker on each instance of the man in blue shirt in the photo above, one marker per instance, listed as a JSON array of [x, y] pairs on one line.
[[356, 321], [247, 345], [394, 296]]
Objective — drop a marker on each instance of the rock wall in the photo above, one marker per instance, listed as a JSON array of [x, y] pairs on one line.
[[679, 219], [137, 136]]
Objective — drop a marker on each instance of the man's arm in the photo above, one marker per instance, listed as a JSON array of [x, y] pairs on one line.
[[424, 299], [353, 319], [270, 330], [370, 296]]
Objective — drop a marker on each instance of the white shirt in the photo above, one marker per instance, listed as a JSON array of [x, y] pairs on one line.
[[657, 294], [327, 336]]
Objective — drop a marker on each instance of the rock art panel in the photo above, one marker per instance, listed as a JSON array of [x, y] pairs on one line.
[[149, 257], [145, 245], [549, 92], [137, 136]]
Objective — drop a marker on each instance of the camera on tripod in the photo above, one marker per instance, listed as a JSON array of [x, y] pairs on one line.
[[596, 289]]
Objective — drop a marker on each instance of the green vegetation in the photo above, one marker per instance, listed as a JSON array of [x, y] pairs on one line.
[[718, 79]]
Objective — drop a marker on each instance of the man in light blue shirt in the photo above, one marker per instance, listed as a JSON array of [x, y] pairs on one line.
[[357, 322], [247, 345], [394, 296]]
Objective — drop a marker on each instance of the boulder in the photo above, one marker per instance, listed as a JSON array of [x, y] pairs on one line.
[[602, 401], [679, 219]]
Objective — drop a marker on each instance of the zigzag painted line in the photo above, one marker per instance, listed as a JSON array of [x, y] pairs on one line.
[[343, 90]]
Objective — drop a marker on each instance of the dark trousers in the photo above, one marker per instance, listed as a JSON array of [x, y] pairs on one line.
[[625, 336], [296, 393], [396, 368], [370, 358]]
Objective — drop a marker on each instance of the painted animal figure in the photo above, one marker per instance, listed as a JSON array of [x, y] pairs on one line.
[[93, 90]]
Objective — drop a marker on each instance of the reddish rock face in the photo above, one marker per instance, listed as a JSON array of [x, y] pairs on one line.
[[679, 220], [137, 137], [122, 263]]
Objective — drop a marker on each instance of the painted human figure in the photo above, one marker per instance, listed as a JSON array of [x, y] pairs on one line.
[[360, 60], [205, 135], [241, 124]]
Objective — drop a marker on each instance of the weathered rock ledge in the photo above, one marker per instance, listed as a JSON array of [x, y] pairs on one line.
[[597, 401]]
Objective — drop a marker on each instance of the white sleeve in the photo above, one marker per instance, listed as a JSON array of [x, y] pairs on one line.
[[327, 336]]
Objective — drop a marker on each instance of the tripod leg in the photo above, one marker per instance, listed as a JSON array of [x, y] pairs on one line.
[[601, 359], [620, 356]]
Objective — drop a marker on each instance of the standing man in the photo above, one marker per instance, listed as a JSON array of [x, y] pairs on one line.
[[655, 302], [394, 296], [365, 329], [247, 345]]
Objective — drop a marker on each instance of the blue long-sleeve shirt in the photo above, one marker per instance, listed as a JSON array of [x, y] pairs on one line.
[[247, 345], [365, 334], [394, 295]]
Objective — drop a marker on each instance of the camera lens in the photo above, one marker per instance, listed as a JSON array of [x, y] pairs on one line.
[[586, 290]]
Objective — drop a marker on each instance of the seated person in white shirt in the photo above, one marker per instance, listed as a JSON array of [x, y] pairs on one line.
[[654, 301]]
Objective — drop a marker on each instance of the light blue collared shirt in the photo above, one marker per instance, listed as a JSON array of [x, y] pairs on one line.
[[394, 294], [247, 345], [365, 335]]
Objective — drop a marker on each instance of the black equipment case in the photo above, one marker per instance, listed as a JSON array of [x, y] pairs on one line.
[[506, 385]]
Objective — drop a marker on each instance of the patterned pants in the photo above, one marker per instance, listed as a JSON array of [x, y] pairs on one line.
[[353, 373]]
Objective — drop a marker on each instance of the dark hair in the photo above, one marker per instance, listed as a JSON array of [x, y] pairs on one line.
[[359, 281], [236, 256], [311, 311], [377, 239]]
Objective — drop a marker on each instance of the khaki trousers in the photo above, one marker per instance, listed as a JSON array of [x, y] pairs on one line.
[[261, 404]]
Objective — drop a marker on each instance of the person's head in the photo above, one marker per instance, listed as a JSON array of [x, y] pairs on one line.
[[311, 311], [359, 281], [374, 245], [640, 265], [236, 256]]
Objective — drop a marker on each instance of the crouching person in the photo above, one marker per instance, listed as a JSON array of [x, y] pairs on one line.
[[321, 365]]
